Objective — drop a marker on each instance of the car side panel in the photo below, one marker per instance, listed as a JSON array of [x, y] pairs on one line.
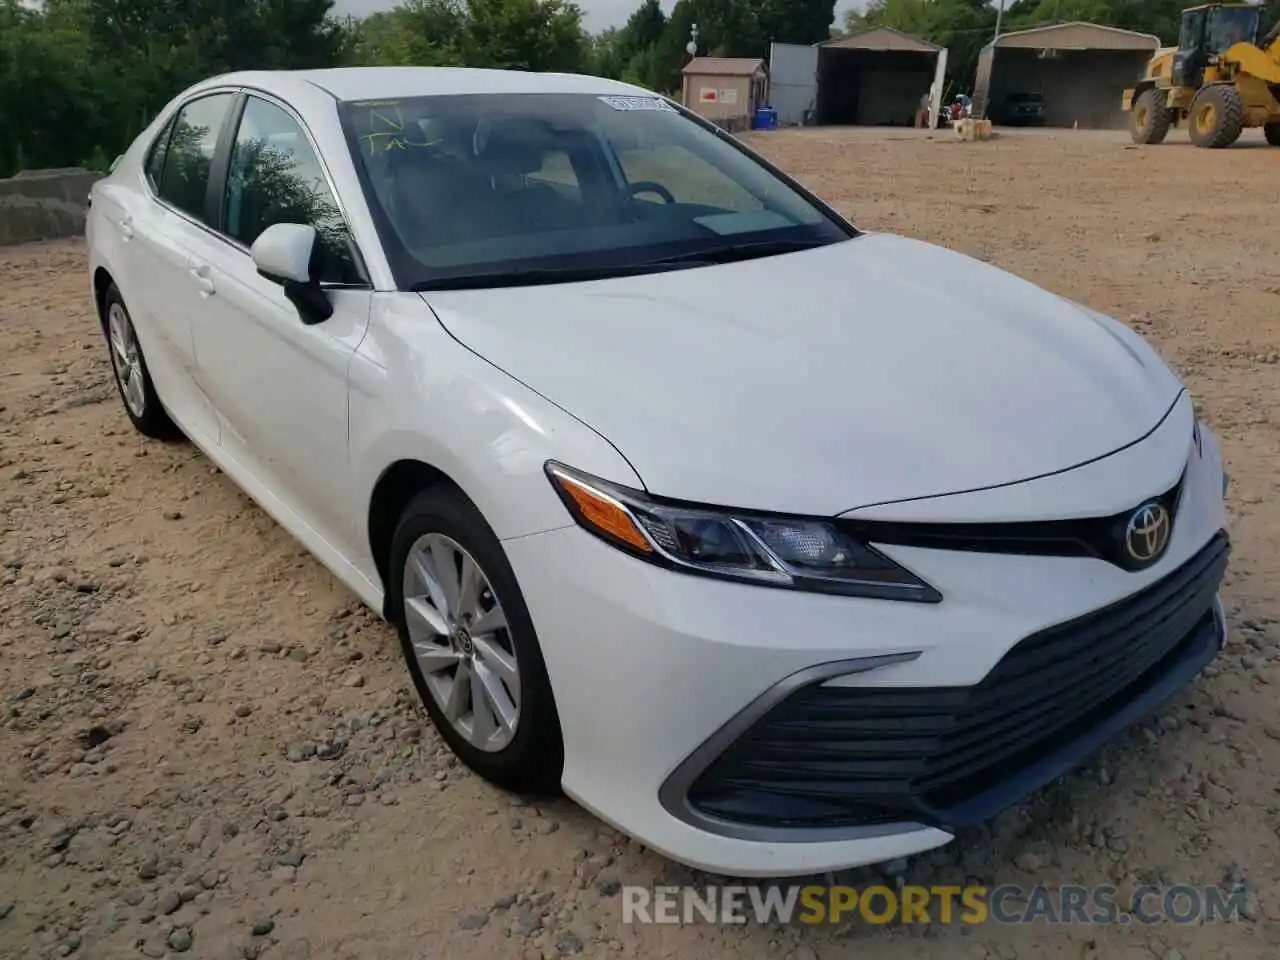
[[279, 386], [417, 394], [141, 245]]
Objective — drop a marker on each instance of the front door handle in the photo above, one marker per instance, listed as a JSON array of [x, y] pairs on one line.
[[201, 277]]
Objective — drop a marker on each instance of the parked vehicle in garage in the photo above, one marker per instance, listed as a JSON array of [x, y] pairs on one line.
[[684, 494], [1021, 110]]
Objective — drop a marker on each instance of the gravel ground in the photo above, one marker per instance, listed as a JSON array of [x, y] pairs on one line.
[[209, 749]]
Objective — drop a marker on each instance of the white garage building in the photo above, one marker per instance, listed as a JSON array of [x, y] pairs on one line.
[[873, 78]]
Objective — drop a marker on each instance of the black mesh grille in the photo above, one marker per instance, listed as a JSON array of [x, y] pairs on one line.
[[834, 756]]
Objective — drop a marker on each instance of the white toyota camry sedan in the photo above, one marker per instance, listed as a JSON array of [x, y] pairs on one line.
[[781, 545]]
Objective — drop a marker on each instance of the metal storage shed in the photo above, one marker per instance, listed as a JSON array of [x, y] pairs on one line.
[[1081, 69], [876, 77]]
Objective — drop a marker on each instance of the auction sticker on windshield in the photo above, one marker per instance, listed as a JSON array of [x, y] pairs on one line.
[[638, 103]]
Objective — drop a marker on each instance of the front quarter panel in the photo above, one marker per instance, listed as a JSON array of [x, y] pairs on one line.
[[418, 394]]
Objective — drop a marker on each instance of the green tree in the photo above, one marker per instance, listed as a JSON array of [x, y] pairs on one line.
[[80, 78], [795, 21], [736, 28], [418, 32], [604, 56], [525, 35], [511, 34], [644, 27], [47, 111], [630, 53]]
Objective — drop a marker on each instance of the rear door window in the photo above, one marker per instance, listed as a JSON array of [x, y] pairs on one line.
[[155, 157], [188, 158]]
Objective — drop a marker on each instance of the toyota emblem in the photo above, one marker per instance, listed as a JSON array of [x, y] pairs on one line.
[[1146, 535]]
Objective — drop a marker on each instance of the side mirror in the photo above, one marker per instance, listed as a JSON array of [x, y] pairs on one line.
[[289, 254]]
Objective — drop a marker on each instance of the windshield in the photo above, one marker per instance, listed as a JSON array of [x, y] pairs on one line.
[[1231, 25], [466, 187]]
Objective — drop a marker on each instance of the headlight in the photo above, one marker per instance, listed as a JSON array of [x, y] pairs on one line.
[[796, 553]]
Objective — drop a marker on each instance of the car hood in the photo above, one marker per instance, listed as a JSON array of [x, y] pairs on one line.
[[859, 373]]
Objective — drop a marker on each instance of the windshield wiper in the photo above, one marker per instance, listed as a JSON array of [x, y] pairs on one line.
[[694, 258], [742, 251], [538, 277]]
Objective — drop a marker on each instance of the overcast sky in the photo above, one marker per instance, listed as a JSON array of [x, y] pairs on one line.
[[598, 13]]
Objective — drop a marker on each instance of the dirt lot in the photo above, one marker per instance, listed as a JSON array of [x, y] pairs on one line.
[[208, 747]]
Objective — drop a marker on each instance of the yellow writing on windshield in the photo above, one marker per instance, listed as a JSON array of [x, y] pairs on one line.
[[388, 131]]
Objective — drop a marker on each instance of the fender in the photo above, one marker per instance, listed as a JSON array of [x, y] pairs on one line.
[[461, 403]]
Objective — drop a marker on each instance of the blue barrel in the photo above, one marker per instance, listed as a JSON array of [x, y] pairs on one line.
[[766, 118]]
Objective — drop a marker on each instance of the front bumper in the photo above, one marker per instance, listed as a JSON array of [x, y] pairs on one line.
[[674, 691], [815, 757]]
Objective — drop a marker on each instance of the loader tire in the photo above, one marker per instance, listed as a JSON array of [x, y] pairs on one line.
[[1149, 119], [1272, 132], [1217, 117]]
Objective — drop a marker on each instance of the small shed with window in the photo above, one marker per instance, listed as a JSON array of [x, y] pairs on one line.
[[725, 90], [1081, 71]]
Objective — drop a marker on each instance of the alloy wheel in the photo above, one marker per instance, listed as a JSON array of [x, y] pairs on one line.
[[126, 360], [460, 641]]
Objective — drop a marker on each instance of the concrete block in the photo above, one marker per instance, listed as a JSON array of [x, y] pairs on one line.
[[44, 204]]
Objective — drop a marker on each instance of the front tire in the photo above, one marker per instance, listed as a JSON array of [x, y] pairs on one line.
[[1272, 132], [1149, 120], [133, 378], [1217, 117], [470, 645]]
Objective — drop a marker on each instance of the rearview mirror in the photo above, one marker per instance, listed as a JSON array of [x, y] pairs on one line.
[[288, 254]]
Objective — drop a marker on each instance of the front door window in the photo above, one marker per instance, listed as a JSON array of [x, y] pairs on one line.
[[275, 177]]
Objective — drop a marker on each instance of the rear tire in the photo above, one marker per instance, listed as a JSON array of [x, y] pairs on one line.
[[133, 379], [1217, 117], [1272, 132], [485, 687], [1149, 119]]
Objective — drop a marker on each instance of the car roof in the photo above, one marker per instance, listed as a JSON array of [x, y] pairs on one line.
[[379, 83]]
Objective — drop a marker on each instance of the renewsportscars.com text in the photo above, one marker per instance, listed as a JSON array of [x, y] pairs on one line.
[[1006, 904]]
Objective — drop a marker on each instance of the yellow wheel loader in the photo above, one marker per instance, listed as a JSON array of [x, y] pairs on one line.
[[1219, 79]]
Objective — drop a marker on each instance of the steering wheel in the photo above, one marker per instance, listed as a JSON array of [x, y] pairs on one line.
[[650, 186]]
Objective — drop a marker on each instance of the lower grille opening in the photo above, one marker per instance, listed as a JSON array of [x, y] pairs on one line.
[[844, 756]]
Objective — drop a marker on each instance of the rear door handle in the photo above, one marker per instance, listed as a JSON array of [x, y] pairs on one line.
[[201, 277], [126, 228]]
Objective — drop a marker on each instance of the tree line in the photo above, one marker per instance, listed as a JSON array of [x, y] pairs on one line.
[[80, 78]]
